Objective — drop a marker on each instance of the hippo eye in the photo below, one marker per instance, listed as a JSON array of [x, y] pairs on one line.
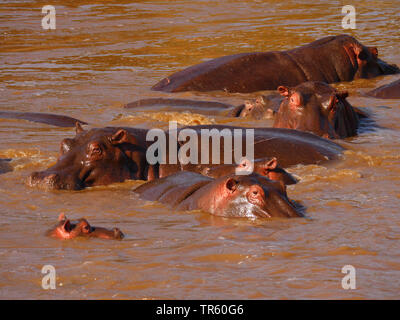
[[94, 149], [255, 192]]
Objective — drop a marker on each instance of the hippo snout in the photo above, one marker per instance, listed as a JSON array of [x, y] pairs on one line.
[[40, 179], [49, 180]]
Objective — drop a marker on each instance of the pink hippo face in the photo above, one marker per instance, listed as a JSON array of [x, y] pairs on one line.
[[67, 229]]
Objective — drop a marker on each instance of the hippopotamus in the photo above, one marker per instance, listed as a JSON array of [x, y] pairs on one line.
[[318, 108], [387, 91], [47, 118], [102, 156], [330, 59], [246, 110], [67, 229], [179, 105], [96, 157], [262, 107], [267, 167], [5, 166], [233, 196], [310, 106]]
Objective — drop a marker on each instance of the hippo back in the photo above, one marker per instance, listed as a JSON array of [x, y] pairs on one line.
[[290, 147], [172, 189]]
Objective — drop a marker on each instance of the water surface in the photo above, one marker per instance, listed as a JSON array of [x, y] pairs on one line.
[[104, 54]]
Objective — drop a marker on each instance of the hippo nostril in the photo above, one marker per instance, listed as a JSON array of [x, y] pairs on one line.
[[118, 233]]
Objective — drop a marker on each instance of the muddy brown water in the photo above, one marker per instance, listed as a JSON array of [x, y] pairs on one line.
[[107, 53]]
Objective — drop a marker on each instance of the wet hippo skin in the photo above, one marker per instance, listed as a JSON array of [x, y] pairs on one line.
[[47, 118], [5, 166], [310, 106], [233, 196], [318, 108], [330, 59], [387, 91], [267, 167], [67, 229], [102, 156]]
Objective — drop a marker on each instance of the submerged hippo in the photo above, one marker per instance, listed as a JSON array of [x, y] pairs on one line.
[[5, 166], [330, 59], [67, 229], [387, 91], [210, 107], [47, 118], [311, 106], [181, 105], [96, 157], [266, 167], [318, 108], [103, 156], [233, 196]]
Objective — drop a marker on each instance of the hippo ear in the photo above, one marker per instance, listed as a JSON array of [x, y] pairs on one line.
[[283, 91], [248, 105], [78, 128], [123, 136], [374, 52], [231, 184], [62, 217], [67, 225], [271, 164], [85, 226], [260, 100]]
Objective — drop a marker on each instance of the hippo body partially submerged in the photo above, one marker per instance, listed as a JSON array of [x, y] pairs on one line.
[[387, 91], [233, 196], [47, 118], [318, 108], [67, 229], [103, 156], [267, 167], [311, 106], [5, 166], [330, 59]]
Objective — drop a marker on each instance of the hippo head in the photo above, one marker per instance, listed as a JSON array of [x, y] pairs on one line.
[[256, 109], [95, 157], [268, 168], [318, 108], [66, 229], [248, 196], [366, 62]]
